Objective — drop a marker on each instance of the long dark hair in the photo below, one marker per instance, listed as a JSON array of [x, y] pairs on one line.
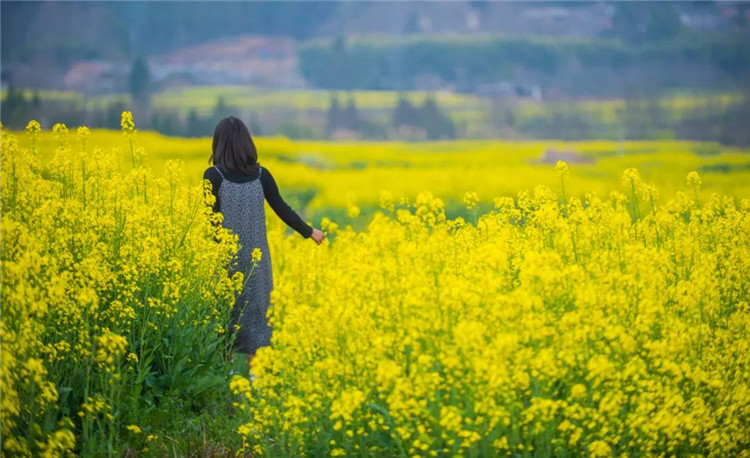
[[233, 147]]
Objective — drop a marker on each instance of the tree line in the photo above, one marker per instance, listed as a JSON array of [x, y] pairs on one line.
[[641, 117], [425, 121], [465, 63]]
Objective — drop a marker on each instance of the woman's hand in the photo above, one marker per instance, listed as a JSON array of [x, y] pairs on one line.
[[318, 236]]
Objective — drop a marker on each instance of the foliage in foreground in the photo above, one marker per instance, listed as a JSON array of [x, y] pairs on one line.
[[581, 327], [115, 297]]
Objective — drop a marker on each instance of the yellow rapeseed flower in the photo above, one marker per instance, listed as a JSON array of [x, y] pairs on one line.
[[694, 180], [33, 127], [126, 123]]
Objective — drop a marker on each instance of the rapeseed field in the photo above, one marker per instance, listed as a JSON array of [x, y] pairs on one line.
[[470, 300]]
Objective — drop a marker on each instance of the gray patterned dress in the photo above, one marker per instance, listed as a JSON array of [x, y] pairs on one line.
[[244, 213]]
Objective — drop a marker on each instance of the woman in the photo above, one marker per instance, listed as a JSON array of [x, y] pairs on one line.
[[240, 185]]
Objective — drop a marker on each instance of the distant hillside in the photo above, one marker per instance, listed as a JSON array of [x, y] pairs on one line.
[[242, 59], [67, 31], [49, 44]]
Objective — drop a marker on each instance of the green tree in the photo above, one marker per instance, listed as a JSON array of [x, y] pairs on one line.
[[193, 125], [221, 109], [334, 115], [351, 116], [405, 113], [14, 108], [140, 80], [436, 124], [165, 123], [36, 101]]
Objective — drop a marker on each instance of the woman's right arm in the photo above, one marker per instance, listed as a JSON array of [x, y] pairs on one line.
[[283, 210]]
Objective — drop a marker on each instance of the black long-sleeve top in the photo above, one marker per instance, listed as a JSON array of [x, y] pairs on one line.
[[271, 191]]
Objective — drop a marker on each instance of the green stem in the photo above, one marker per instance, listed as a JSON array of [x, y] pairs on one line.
[[132, 152], [635, 200], [635, 207], [575, 248], [695, 190], [83, 181], [14, 193], [656, 226]]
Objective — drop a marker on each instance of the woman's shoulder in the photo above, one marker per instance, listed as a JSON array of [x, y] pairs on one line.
[[212, 174], [263, 170], [265, 175]]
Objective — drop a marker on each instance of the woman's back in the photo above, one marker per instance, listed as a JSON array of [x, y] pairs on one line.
[[218, 177], [242, 205]]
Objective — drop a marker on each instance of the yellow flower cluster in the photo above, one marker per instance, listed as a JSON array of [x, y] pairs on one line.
[[471, 199], [33, 127], [110, 348], [352, 210], [127, 123], [256, 255], [106, 275], [562, 168], [549, 327]]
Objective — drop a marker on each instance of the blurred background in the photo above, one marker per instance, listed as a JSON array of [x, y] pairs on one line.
[[385, 70]]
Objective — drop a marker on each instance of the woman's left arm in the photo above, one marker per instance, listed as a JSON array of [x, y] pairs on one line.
[[280, 207], [213, 176]]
